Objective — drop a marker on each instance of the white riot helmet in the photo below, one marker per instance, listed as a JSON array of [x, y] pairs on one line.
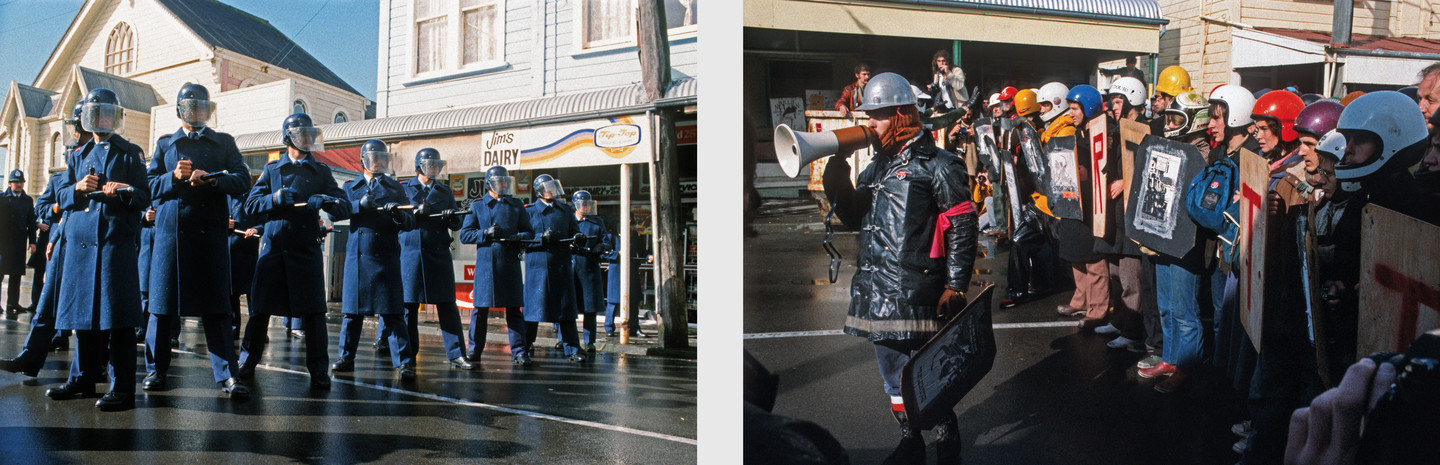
[[1332, 145], [1396, 120], [886, 90], [1130, 87], [1054, 94], [994, 100], [1239, 103]]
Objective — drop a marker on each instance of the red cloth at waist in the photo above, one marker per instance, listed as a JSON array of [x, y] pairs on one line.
[[937, 245]]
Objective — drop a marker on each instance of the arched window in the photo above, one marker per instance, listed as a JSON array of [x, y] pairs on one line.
[[298, 107], [57, 151], [120, 50], [340, 117]]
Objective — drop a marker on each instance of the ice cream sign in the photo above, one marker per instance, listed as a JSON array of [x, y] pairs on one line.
[[617, 136]]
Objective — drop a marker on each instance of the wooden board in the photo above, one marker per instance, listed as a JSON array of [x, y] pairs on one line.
[[1254, 184], [1399, 280], [1158, 219], [1098, 140], [820, 121], [1131, 134], [1064, 175]]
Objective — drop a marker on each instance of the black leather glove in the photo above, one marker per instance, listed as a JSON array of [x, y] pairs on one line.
[[422, 209], [549, 237], [367, 203], [285, 196], [490, 234]]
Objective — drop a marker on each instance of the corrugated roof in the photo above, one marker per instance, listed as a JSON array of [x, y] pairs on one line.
[[1147, 11], [500, 115], [133, 95], [34, 102], [1362, 41], [226, 27]]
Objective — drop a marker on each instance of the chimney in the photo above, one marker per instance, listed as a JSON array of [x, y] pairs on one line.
[[1340, 23]]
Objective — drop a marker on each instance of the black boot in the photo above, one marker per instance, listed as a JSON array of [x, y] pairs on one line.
[[912, 447], [947, 442]]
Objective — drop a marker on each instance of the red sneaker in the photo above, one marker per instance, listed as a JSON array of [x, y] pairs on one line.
[[1163, 369]]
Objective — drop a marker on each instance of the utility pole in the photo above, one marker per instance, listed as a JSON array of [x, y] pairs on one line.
[[670, 302]]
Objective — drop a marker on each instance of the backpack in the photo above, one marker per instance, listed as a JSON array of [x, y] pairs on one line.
[[1210, 202]]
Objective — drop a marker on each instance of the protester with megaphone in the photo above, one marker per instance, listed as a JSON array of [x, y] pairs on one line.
[[900, 298]]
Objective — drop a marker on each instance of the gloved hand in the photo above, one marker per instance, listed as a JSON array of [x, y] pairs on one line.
[[393, 209], [285, 196], [317, 201], [549, 237], [367, 203], [422, 209], [491, 233], [951, 303]]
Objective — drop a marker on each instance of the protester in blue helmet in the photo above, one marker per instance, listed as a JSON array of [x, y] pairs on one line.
[[1086, 100]]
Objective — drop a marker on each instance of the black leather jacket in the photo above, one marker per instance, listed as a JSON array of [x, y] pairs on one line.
[[896, 206]]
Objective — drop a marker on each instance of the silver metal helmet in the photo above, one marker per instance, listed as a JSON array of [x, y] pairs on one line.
[[886, 90]]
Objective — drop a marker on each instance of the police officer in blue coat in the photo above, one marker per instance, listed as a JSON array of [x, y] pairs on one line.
[[103, 193], [549, 275], [425, 258], [42, 335], [372, 261], [245, 231], [17, 233], [192, 176], [289, 273], [497, 225], [589, 280], [612, 287]]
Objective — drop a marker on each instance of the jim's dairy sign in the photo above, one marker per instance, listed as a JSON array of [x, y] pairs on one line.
[[607, 141]]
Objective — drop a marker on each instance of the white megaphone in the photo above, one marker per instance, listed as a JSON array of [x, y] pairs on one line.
[[797, 149]]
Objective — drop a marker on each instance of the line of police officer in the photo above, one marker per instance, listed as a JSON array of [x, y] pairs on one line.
[[397, 257]]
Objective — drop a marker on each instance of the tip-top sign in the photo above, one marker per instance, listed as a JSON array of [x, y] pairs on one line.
[[617, 136]]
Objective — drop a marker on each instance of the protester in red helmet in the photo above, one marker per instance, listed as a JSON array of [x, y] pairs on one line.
[[1274, 116]]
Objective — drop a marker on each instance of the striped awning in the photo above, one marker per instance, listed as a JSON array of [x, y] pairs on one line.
[[594, 104]]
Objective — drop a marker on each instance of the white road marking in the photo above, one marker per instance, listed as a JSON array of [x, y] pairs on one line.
[[834, 332]]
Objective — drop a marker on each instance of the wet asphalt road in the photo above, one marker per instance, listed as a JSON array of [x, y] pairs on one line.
[[617, 409], [1055, 395]]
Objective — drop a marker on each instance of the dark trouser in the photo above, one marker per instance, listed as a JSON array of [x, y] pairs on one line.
[[38, 285], [1150, 306], [568, 336], [1285, 379], [1017, 277], [450, 330], [400, 351], [1125, 296], [892, 355], [522, 333], [317, 357], [12, 294], [219, 340], [588, 322], [94, 348], [235, 313], [612, 312]]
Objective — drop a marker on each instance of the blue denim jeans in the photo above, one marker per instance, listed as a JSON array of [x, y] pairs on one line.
[[1177, 291]]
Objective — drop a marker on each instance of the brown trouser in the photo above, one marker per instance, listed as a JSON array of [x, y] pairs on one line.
[[1092, 288], [1125, 294]]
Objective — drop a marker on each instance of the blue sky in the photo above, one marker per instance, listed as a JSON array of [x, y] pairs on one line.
[[344, 35]]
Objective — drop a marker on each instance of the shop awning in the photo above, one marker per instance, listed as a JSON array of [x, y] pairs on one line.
[[628, 100], [1120, 25]]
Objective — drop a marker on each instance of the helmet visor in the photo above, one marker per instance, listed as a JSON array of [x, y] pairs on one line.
[[432, 167], [102, 117], [309, 139], [550, 190], [586, 207], [376, 161], [195, 112], [502, 185]]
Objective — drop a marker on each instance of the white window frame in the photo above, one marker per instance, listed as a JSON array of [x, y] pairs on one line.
[[453, 47], [582, 19], [302, 103], [127, 38], [57, 147], [340, 112]]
